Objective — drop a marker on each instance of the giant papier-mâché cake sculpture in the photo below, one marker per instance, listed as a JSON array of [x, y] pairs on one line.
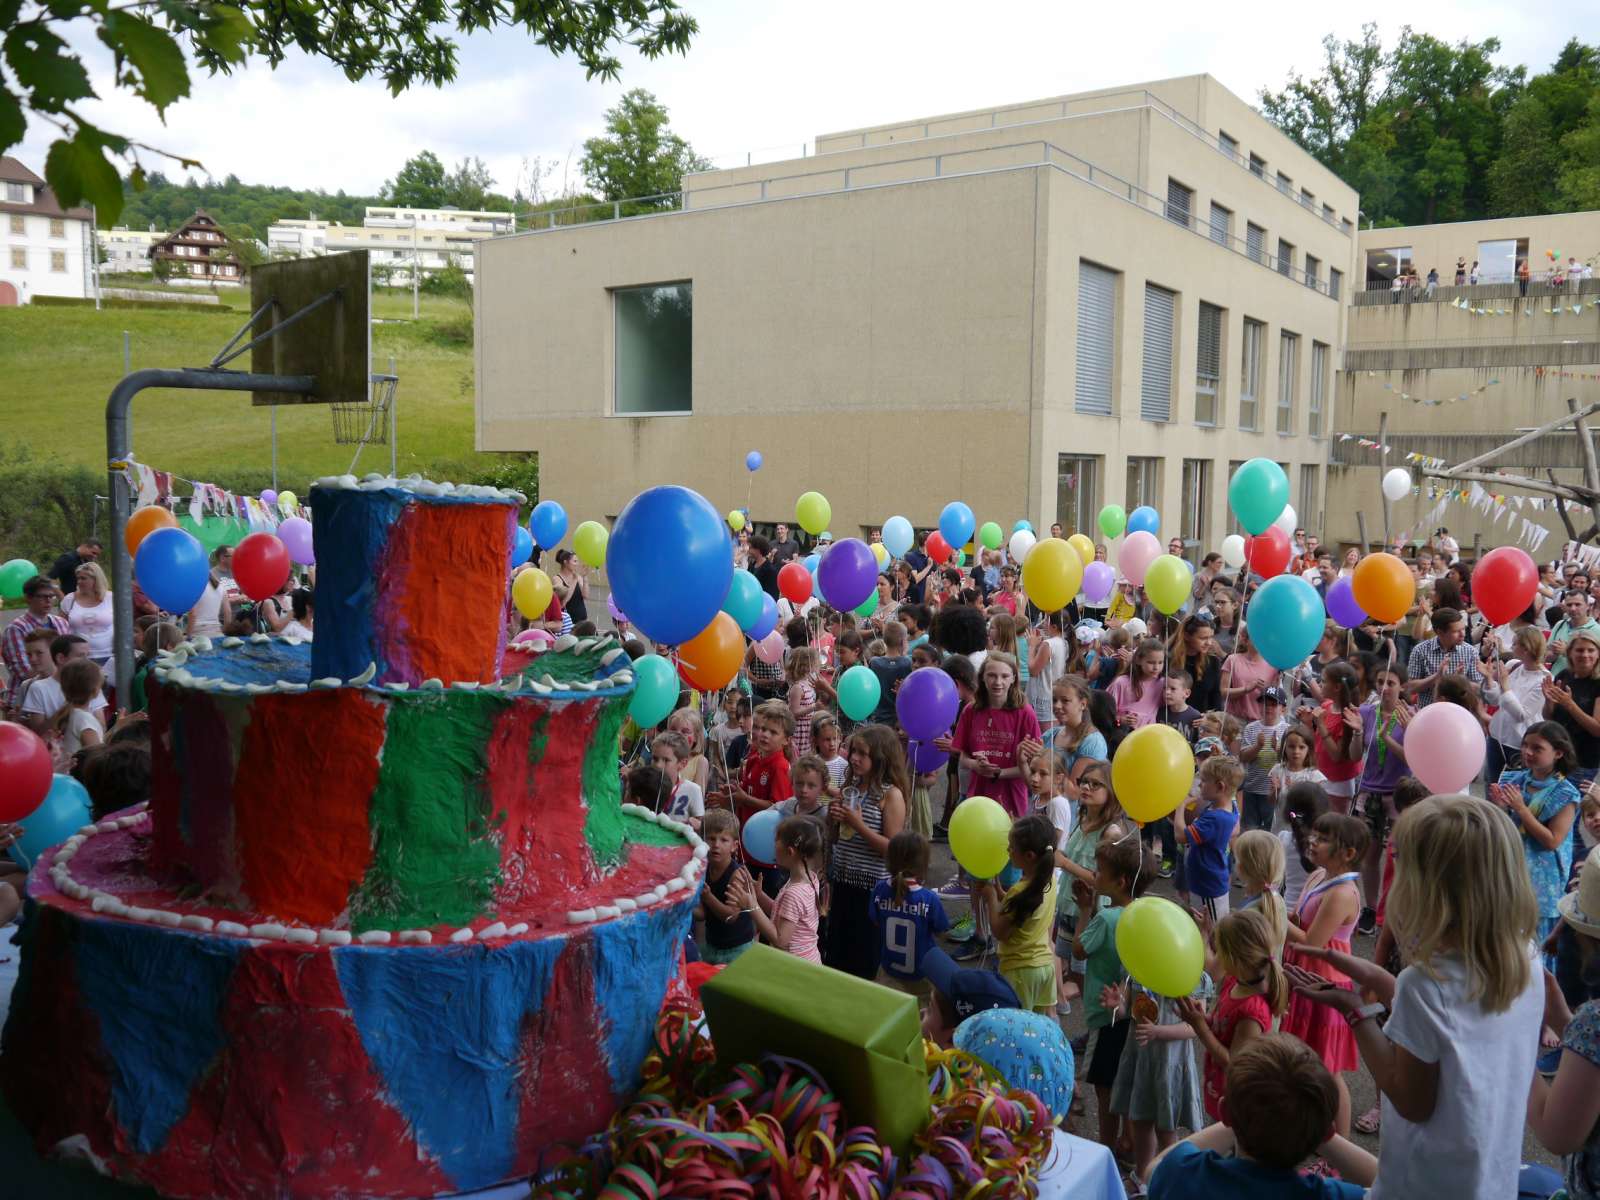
[[384, 928]]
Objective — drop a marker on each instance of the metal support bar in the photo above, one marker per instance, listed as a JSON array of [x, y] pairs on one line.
[[118, 448], [220, 361], [243, 329]]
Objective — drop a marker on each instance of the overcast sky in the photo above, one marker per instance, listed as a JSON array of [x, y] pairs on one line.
[[766, 76]]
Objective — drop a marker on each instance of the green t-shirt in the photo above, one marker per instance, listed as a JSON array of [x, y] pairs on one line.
[[1103, 967]]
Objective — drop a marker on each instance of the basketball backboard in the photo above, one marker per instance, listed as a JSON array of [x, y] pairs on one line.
[[331, 342]]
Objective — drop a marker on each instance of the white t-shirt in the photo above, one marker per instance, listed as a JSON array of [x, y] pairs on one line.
[[293, 628], [1294, 871], [93, 623], [79, 722], [687, 801], [207, 613], [1472, 1144], [44, 699], [1059, 810]]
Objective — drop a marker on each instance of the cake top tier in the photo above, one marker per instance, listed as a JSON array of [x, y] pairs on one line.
[[411, 578]]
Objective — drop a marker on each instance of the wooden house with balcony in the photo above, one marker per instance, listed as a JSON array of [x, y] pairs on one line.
[[197, 251]]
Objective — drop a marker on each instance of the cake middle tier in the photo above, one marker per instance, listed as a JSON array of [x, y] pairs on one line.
[[369, 807]]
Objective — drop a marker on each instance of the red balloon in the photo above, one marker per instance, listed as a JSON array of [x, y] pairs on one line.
[[794, 582], [938, 548], [24, 771], [260, 565], [1268, 554], [1504, 583]]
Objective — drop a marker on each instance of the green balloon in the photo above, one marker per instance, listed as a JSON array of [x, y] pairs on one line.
[[13, 575], [655, 691], [990, 535], [960, 559], [1113, 520], [1257, 493], [868, 606], [859, 693]]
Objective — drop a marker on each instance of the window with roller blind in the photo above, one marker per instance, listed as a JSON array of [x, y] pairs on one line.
[[1255, 243], [1313, 267], [1288, 377], [1258, 166], [1285, 257], [1155, 376], [1180, 202], [1208, 366], [1335, 282], [1097, 327], [1228, 144], [1253, 348], [1319, 388], [1221, 224]]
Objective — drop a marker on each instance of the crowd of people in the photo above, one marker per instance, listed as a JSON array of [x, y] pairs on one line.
[[1568, 276]]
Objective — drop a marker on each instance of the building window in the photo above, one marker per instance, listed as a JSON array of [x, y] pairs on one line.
[[1384, 265], [1335, 282], [17, 193], [1285, 184], [1077, 491], [1313, 267], [1155, 378], [1307, 200], [1327, 213], [58, 261], [1097, 307], [1229, 145], [58, 229], [19, 259], [1144, 483], [1196, 504], [1255, 243], [1258, 166], [1180, 202], [1254, 347], [655, 348], [1319, 388], [19, 226], [1208, 365], [1308, 496], [1221, 224], [1288, 370], [1285, 257], [1497, 261], [1346, 225]]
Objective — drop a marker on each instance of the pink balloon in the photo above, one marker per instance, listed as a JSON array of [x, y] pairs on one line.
[[1445, 747], [539, 638], [1138, 552], [770, 648]]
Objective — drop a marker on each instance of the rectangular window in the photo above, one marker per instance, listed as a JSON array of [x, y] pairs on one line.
[[1288, 374], [17, 193], [1254, 345], [1077, 491], [1258, 166], [1307, 200], [1327, 213], [1347, 225], [1335, 282], [1228, 144], [19, 259], [1221, 224], [1097, 307], [19, 225], [1255, 243], [1384, 265], [1155, 378], [655, 348], [1285, 257], [58, 261], [1308, 497], [1285, 184], [1180, 202], [1319, 388], [1208, 365], [58, 229], [1196, 502], [1144, 483], [1313, 267], [1497, 261]]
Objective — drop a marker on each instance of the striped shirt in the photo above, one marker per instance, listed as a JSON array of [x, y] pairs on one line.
[[853, 860], [15, 655]]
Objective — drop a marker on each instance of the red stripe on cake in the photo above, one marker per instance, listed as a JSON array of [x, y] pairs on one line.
[[536, 797]]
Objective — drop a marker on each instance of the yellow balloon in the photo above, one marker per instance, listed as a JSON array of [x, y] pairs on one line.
[[979, 833], [288, 501], [735, 520], [1160, 945], [881, 553], [1083, 546], [1052, 574], [589, 542], [1168, 582], [813, 512], [531, 593], [1152, 771]]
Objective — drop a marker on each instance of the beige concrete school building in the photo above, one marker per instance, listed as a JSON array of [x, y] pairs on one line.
[[1103, 297]]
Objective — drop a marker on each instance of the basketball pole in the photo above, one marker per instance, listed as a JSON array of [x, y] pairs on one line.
[[394, 400]]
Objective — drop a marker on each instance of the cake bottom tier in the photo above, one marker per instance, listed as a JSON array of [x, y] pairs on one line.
[[209, 1066]]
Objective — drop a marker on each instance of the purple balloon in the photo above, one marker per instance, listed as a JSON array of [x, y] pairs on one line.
[[847, 575], [1342, 606], [927, 702], [269, 497], [616, 613], [926, 757], [1098, 579], [767, 621], [295, 534]]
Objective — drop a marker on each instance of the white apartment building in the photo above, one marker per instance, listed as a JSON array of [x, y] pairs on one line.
[[127, 250], [46, 248], [397, 237]]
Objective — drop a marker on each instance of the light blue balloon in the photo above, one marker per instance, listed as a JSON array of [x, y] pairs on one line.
[[767, 621], [65, 811], [548, 524], [1146, 519], [655, 691], [522, 547], [898, 536], [812, 562], [1285, 619], [1028, 525], [753, 461], [761, 836], [743, 602], [956, 523], [1257, 493]]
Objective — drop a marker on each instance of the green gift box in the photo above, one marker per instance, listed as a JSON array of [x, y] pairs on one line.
[[864, 1039]]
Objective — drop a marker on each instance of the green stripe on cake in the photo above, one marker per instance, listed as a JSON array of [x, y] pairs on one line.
[[602, 786]]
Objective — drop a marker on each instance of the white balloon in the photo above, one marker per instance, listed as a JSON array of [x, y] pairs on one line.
[[1233, 550], [1397, 484], [1287, 521], [1021, 542]]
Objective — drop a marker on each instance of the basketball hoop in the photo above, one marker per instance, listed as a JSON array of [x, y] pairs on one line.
[[367, 423]]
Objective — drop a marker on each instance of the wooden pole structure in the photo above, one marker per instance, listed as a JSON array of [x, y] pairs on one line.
[[1524, 439], [1591, 472], [1361, 527], [1561, 508]]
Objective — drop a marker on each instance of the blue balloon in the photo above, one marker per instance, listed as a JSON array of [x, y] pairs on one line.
[[898, 536], [761, 836], [1021, 525], [811, 562], [956, 523], [548, 524], [1146, 519], [1027, 1050], [767, 621], [1285, 619], [753, 460], [522, 548], [669, 559], [172, 569], [743, 602], [65, 811]]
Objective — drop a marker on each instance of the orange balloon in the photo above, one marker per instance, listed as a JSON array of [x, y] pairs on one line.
[[710, 659], [1383, 587], [144, 522]]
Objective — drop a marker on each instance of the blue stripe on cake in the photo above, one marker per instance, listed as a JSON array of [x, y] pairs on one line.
[[351, 529], [634, 960]]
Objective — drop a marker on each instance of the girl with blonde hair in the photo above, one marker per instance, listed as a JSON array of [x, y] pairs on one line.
[[1260, 861]]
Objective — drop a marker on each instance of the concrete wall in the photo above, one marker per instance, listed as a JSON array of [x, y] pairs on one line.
[[1575, 234]]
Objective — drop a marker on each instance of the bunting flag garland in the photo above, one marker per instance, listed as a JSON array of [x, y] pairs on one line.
[[1422, 400], [1529, 308], [150, 486], [1541, 372]]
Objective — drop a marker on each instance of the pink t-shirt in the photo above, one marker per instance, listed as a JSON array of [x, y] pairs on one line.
[[1143, 707], [1240, 670], [994, 734], [797, 902]]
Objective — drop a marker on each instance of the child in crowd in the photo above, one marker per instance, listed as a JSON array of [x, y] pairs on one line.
[[1253, 994], [1260, 860], [789, 922], [729, 926], [81, 681], [1047, 774], [1074, 733], [1099, 819], [45, 698], [891, 665], [1383, 729], [670, 752], [990, 733], [1021, 920], [764, 777], [1259, 754], [732, 748], [1294, 765], [1302, 804], [908, 916], [1175, 707], [1094, 944], [1224, 727], [1138, 693], [825, 742], [1570, 968], [1206, 863], [861, 825], [809, 780], [695, 768], [1336, 731], [1543, 805], [800, 669], [36, 652]]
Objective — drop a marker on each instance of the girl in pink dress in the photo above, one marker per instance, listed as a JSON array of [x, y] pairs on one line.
[[1137, 694], [991, 730], [1324, 917]]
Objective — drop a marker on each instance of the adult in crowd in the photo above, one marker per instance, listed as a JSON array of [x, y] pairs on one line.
[[1516, 687], [1246, 676], [1572, 700], [764, 565], [212, 611], [921, 567], [88, 611], [1325, 574], [65, 569], [1576, 614], [40, 595], [783, 547], [1445, 653], [1193, 648], [571, 585]]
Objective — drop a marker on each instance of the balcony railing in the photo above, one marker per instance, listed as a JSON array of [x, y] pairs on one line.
[[1376, 295]]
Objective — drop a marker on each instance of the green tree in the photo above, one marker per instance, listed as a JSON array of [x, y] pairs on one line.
[[418, 184], [640, 156], [1522, 181], [1324, 113], [153, 44], [469, 185], [1579, 178]]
